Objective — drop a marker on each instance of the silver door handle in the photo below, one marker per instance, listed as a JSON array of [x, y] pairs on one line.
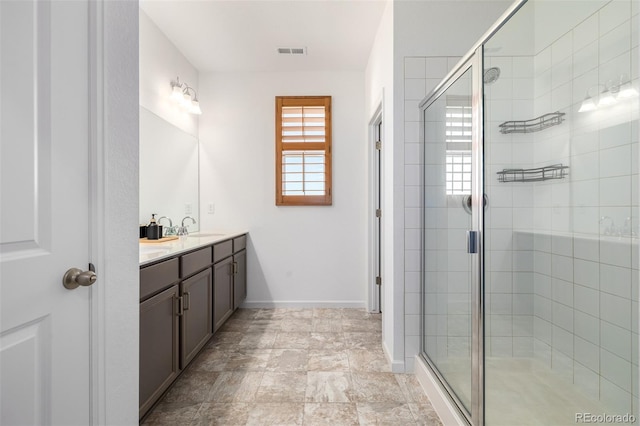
[[75, 278], [472, 242]]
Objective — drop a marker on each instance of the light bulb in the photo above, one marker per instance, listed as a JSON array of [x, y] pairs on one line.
[[186, 101], [587, 105], [195, 107], [606, 99], [628, 92], [176, 94]]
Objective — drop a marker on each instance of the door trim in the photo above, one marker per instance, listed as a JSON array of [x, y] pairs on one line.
[[113, 157], [374, 299]]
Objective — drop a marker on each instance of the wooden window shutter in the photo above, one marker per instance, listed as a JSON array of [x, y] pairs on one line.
[[303, 150]]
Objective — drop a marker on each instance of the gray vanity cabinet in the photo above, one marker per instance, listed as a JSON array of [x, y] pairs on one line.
[[195, 329], [183, 301], [239, 278], [159, 356], [223, 291]]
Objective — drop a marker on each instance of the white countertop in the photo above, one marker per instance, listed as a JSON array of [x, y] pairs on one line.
[[152, 252]]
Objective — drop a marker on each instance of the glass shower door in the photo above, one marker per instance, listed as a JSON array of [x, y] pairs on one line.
[[449, 269]]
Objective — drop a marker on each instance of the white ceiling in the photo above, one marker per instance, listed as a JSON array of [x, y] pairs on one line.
[[237, 35]]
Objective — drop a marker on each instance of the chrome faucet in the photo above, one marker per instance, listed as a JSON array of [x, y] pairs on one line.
[[182, 230], [171, 230], [608, 230]]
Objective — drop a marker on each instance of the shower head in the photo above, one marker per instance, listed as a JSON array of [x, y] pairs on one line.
[[491, 75]]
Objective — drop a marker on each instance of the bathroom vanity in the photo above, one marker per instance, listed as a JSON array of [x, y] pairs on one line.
[[188, 289]]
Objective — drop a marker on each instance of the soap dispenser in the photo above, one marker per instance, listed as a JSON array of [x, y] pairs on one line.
[[153, 230]]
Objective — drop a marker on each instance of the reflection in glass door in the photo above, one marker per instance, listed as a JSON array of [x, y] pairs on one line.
[[448, 267]]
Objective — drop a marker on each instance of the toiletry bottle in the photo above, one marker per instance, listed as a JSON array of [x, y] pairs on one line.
[[153, 230]]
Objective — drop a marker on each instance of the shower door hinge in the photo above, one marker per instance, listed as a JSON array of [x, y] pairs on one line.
[[378, 145], [378, 280], [378, 212]]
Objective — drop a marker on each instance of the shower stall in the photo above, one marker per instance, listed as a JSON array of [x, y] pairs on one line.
[[530, 219]]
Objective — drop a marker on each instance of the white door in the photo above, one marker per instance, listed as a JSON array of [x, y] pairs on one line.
[[44, 152]]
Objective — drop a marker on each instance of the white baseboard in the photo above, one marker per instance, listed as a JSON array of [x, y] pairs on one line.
[[396, 366], [268, 304], [448, 413]]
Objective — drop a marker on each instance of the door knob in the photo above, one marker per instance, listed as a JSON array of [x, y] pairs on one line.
[[75, 277]]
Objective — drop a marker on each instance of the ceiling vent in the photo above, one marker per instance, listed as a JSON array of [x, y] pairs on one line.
[[292, 50]]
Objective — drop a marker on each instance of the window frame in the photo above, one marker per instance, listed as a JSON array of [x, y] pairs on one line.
[[304, 200]]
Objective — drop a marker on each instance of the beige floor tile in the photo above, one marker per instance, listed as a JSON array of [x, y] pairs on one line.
[[411, 388], [296, 325], [235, 386], [376, 387], [243, 313], [360, 314], [236, 324], [326, 325], [424, 414], [293, 340], [288, 360], [193, 387], [210, 360], [262, 326], [328, 386], [247, 360], [281, 414], [327, 360], [292, 367], [222, 413], [362, 340], [368, 360], [327, 313], [326, 341], [227, 340], [385, 413], [257, 340], [330, 413], [287, 386], [360, 325], [171, 414]]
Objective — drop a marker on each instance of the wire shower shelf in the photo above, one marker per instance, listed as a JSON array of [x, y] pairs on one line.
[[554, 171], [533, 125]]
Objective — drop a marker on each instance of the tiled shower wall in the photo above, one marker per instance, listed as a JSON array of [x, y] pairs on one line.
[[421, 75], [559, 287], [585, 268]]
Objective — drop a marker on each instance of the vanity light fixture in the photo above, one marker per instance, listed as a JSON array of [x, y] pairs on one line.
[[185, 96], [613, 91]]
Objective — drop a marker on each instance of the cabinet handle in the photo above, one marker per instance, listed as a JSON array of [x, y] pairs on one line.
[[187, 301], [180, 306], [235, 268]]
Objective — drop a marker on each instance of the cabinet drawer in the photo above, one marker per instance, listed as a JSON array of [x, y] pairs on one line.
[[156, 277], [222, 250], [194, 262], [239, 243]]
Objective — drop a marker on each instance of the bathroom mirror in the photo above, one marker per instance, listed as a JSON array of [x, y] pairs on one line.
[[168, 171]]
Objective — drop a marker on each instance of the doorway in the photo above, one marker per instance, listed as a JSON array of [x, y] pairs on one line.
[[375, 209]]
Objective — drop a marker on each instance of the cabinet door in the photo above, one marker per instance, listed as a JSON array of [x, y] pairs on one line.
[[239, 278], [223, 292], [196, 327], [158, 346]]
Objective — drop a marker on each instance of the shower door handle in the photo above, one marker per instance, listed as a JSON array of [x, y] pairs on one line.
[[472, 242]]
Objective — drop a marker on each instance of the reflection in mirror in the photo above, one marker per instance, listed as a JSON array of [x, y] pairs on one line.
[[168, 172]]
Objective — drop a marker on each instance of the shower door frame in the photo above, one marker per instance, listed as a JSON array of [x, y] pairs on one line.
[[473, 62], [474, 59]]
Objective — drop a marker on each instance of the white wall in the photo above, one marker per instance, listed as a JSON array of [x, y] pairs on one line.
[[298, 256], [380, 89], [160, 63], [428, 32]]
